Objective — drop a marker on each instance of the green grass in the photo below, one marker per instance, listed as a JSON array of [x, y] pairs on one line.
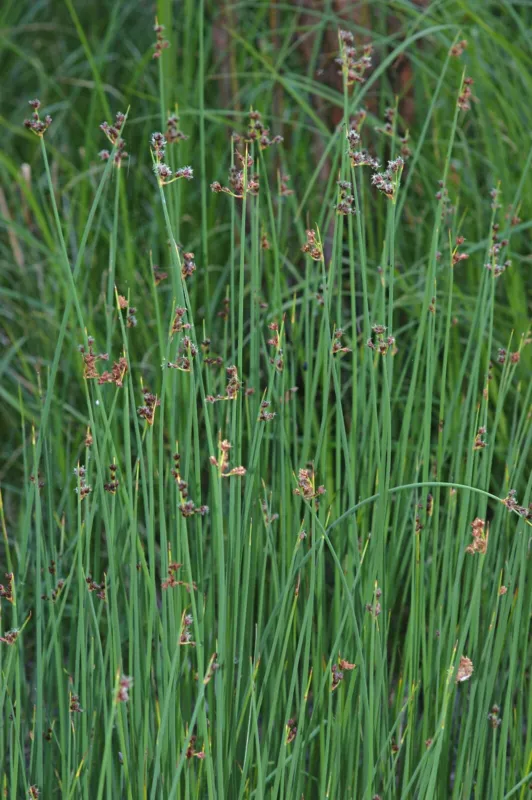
[[308, 642]]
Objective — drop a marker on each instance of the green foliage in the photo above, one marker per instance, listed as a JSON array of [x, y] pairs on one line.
[[294, 615]]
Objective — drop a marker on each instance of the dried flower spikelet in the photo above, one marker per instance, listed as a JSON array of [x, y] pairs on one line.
[[465, 669], [113, 134]]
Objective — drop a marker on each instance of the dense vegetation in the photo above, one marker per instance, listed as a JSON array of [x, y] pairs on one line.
[[266, 438]]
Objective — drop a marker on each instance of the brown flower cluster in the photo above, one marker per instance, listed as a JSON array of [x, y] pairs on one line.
[[10, 637], [338, 670], [222, 462], [191, 752], [187, 350], [345, 202], [306, 485], [161, 43], [240, 180], [124, 685], [185, 637], [257, 132], [171, 581], [36, 124], [480, 441], [312, 246], [379, 341], [7, 591], [173, 133], [187, 508], [510, 501], [82, 489], [480, 537], [291, 730], [353, 65], [465, 669], [113, 133], [464, 98], [387, 182], [337, 346], [458, 48], [457, 257], [117, 374], [99, 588], [147, 411], [164, 173]]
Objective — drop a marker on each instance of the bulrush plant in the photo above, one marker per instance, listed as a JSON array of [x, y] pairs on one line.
[[266, 509]]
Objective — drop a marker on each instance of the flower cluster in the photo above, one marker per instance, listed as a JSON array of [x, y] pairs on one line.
[[337, 345], [158, 275], [264, 415], [82, 489], [112, 485], [172, 581], [312, 246], [75, 705], [120, 367], [464, 98], [99, 588], [465, 669], [353, 65], [161, 43], [493, 717], [188, 267], [388, 181], [345, 199], [164, 173], [379, 341], [338, 670], [359, 158], [222, 462], [147, 411], [234, 384], [90, 358], [191, 752], [239, 181], [7, 591], [36, 124], [113, 133], [480, 537], [212, 668], [187, 350], [510, 501], [186, 635], [291, 730], [306, 485], [178, 325], [458, 48], [457, 257], [480, 442], [375, 608], [257, 132], [284, 189], [502, 354], [173, 133], [124, 685], [187, 508], [10, 637]]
